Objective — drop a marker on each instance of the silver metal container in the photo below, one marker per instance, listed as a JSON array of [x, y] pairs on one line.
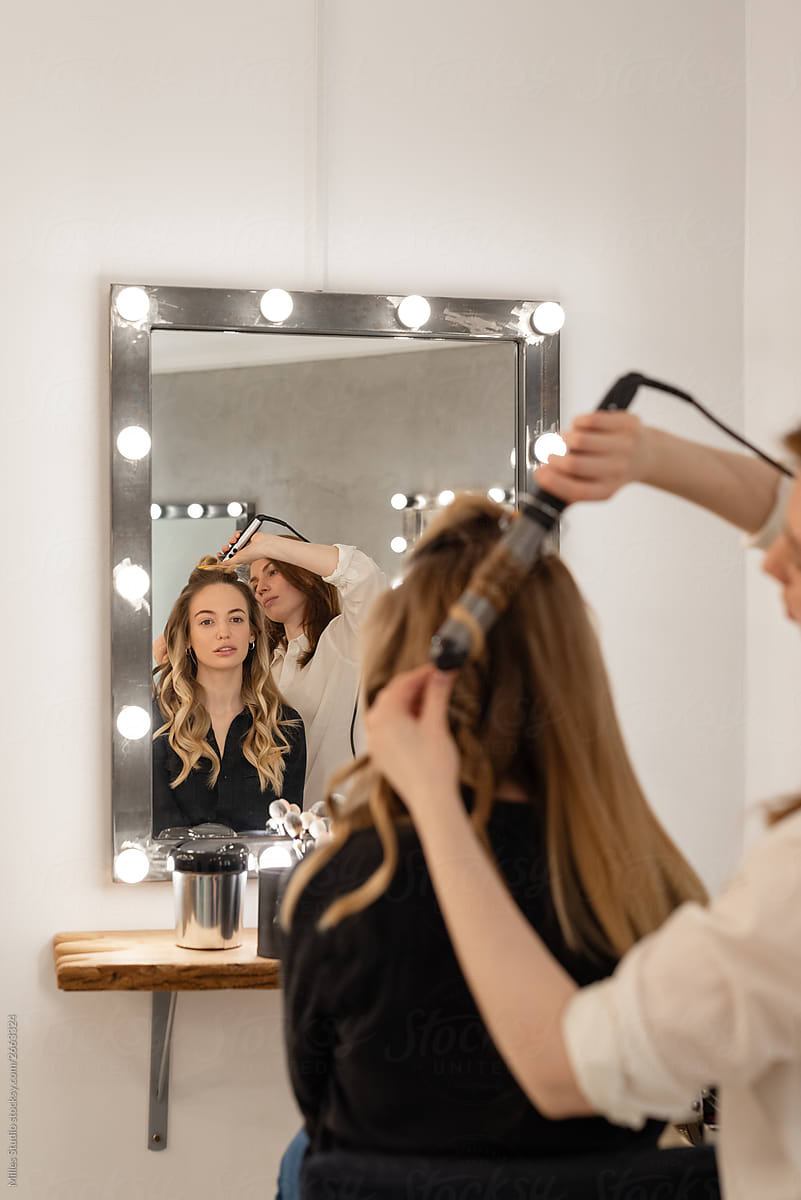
[[208, 880]]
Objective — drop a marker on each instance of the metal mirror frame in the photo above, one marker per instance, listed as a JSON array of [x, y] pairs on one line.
[[218, 309]]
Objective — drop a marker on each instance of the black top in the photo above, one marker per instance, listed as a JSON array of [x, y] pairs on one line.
[[236, 799], [387, 1051]]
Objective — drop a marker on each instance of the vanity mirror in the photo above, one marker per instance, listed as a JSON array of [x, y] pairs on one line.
[[349, 416]]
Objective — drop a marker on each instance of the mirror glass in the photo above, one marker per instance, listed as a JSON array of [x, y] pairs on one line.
[[322, 432]]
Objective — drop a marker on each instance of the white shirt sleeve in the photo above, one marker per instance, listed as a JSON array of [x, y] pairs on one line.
[[359, 581], [775, 522], [711, 997]]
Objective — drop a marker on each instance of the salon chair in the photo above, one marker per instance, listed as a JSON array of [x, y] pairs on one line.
[[687, 1172]]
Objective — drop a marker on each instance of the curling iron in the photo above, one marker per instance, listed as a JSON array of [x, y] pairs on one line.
[[254, 526], [463, 633]]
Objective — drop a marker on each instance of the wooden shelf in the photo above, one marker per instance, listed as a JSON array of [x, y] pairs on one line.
[[148, 960]]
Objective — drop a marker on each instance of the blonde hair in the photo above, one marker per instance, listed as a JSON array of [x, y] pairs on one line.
[[535, 709], [180, 696]]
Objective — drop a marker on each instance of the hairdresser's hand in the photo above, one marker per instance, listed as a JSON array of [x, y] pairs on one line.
[[160, 655], [605, 450], [261, 545], [409, 739]]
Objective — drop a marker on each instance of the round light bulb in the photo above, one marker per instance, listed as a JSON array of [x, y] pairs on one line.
[[131, 865], [413, 311], [445, 498], [399, 501], [235, 509], [132, 303], [276, 305], [133, 442], [548, 317], [398, 544], [131, 581], [155, 511], [133, 722], [276, 858], [548, 444], [194, 511], [497, 494]]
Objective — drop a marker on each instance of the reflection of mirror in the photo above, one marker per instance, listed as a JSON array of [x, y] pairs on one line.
[[319, 429], [180, 539]]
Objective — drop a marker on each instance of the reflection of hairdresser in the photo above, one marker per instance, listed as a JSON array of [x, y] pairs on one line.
[[227, 746], [387, 1051], [315, 599], [715, 995]]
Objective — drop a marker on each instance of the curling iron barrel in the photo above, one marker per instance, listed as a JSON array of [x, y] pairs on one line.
[[462, 634]]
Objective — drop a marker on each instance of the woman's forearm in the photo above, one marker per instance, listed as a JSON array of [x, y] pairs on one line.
[[319, 559], [737, 487], [519, 987]]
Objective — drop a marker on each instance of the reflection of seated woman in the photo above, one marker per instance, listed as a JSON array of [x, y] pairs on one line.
[[315, 599], [387, 1051], [228, 746]]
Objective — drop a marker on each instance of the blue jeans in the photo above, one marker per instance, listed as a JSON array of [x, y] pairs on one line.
[[289, 1170]]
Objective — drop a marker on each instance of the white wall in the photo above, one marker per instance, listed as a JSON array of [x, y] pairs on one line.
[[594, 153]]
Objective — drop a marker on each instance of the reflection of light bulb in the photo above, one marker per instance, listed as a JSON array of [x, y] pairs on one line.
[[276, 305], [445, 498], [131, 865], [413, 311], [513, 457], [398, 544], [133, 442], [396, 582], [133, 722], [548, 317], [155, 512], [131, 581], [497, 494], [235, 509], [194, 511], [132, 303], [276, 858], [399, 500], [548, 444]]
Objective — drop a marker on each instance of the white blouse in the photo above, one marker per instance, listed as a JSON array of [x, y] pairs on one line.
[[713, 997], [324, 692]]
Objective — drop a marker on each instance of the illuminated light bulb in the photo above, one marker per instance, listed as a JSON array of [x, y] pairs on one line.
[[133, 722], [131, 865], [131, 581], [132, 303], [133, 442], [497, 494], [194, 511], [548, 444], [548, 317], [513, 458], [445, 498], [399, 501], [398, 544], [413, 311], [276, 858], [396, 582], [235, 509], [155, 511], [276, 305]]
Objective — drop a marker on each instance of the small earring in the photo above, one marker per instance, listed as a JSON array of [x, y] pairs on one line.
[[190, 654]]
